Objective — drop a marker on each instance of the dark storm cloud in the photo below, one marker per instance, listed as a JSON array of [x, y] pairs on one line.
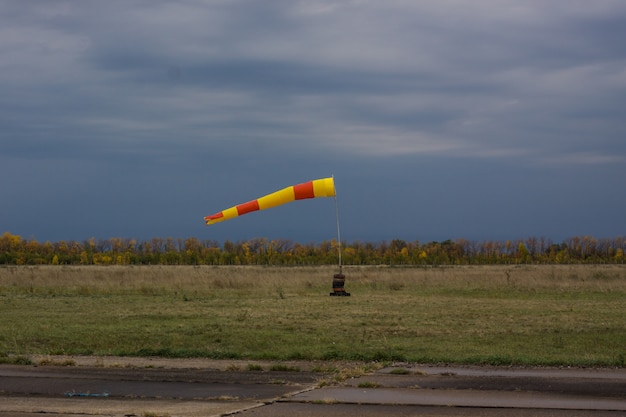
[[459, 116]]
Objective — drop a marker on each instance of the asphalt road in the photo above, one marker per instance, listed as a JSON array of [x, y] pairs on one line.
[[208, 388]]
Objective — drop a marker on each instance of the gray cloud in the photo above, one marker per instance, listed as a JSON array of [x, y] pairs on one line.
[[204, 96]]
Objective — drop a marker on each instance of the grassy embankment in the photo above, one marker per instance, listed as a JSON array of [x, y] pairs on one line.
[[533, 315]]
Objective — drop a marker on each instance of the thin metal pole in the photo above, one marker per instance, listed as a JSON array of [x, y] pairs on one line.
[[338, 232]]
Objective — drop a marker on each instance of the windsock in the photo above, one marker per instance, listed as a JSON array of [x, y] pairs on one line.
[[324, 187]]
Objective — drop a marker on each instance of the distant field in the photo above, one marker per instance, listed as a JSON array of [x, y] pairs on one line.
[[532, 315]]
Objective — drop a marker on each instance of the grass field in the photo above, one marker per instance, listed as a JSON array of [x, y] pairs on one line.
[[528, 315]]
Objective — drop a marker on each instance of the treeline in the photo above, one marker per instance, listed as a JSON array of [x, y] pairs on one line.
[[14, 250]]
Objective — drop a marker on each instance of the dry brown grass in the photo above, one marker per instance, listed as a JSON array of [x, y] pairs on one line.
[[272, 279]]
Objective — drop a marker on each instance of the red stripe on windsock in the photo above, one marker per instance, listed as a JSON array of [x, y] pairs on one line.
[[302, 191], [214, 216], [248, 207]]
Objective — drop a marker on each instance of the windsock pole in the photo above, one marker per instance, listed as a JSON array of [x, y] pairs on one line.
[[338, 234], [338, 279]]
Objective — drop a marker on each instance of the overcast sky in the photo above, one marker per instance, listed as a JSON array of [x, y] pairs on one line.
[[482, 119]]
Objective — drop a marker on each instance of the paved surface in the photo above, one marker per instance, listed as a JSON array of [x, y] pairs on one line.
[[209, 388]]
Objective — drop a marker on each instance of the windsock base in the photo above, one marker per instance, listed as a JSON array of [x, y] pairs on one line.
[[338, 283]]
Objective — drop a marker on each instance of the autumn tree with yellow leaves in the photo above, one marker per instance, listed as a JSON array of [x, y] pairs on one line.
[[15, 250]]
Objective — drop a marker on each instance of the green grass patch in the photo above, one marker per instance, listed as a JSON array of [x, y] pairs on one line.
[[280, 367], [531, 315], [369, 384]]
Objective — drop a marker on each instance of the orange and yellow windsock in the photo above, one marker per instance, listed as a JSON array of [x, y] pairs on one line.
[[324, 187]]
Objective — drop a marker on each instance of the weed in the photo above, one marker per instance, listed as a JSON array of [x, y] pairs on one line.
[[50, 362], [233, 367], [400, 371], [254, 367], [243, 316], [16, 360], [324, 369], [281, 293], [369, 384], [326, 401], [278, 367]]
